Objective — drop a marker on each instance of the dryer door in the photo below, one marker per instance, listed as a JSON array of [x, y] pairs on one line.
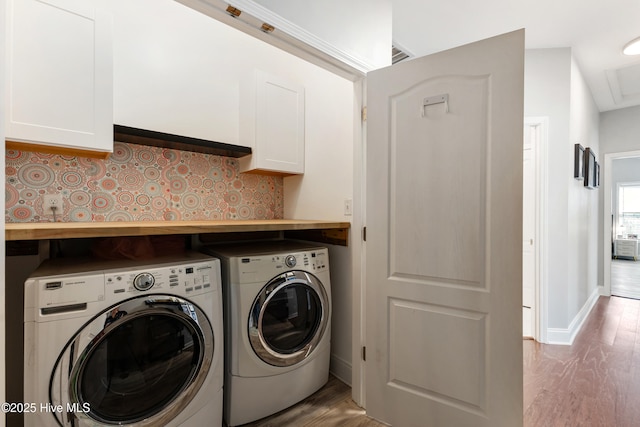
[[141, 362], [288, 318]]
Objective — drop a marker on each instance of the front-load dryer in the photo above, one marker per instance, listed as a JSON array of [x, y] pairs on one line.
[[124, 343], [277, 300]]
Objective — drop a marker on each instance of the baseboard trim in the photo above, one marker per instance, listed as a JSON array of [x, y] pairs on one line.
[[566, 336], [341, 369]]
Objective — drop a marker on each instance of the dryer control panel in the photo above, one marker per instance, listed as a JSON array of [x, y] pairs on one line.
[[258, 268]]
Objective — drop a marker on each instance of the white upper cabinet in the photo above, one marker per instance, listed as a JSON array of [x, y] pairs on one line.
[[59, 74], [174, 71], [272, 124]]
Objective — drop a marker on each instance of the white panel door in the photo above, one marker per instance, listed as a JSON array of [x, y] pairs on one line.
[[444, 232]]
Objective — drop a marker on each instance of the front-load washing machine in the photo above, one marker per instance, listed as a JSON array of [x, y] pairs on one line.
[[277, 301], [124, 343]]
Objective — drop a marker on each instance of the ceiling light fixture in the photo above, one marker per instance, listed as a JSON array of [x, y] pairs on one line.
[[632, 48]]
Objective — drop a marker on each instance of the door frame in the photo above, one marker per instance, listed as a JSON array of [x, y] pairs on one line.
[[606, 216], [540, 125], [356, 241]]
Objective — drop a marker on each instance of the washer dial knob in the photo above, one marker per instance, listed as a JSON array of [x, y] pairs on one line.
[[290, 261], [144, 281]]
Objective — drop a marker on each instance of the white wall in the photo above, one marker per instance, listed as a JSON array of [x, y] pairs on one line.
[[555, 88], [584, 216], [329, 139], [547, 94], [620, 130]]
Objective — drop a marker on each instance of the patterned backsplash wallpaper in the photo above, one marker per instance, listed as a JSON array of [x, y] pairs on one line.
[[138, 183]]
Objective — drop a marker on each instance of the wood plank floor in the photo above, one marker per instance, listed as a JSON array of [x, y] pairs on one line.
[[331, 406], [595, 381]]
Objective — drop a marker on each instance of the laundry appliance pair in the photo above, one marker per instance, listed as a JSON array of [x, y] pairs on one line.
[[141, 343]]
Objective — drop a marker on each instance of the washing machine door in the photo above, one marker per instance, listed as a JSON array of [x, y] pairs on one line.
[[288, 318], [140, 362]]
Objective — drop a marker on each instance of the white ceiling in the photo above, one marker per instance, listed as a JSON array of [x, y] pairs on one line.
[[595, 30]]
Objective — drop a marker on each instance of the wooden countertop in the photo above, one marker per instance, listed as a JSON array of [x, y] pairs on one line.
[[334, 230]]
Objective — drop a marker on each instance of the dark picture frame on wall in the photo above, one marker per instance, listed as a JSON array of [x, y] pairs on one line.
[[589, 168], [578, 162], [597, 177]]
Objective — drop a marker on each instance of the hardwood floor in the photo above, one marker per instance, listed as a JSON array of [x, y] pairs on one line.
[[331, 406], [595, 381]]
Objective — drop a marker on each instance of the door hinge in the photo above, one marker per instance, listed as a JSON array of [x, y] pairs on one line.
[[364, 114], [364, 233], [364, 353]]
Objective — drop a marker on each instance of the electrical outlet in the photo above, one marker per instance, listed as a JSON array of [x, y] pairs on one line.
[[52, 200], [348, 206]]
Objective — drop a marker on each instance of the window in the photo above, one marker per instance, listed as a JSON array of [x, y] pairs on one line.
[[628, 210]]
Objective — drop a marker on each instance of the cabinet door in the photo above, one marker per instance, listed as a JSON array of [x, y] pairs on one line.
[[59, 74], [175, 70], [276, 128]]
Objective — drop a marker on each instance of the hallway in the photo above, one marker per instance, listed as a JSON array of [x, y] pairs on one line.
[[595, 381]]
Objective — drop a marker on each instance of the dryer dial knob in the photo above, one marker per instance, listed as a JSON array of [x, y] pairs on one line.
[[144, 281], [290, 261]]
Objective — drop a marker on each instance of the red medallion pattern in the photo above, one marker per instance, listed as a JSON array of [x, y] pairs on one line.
[[138, 183]]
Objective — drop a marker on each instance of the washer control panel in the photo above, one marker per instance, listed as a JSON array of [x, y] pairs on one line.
[[71, 284], [186, 279]]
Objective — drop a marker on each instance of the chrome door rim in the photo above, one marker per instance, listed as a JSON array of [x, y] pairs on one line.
[[256, 337], [96, 332]]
